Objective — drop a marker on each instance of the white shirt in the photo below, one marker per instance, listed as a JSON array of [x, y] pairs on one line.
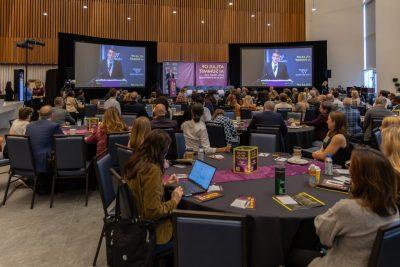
[[273, 66], [110, 68], [206, 115], [338, 103], [112, 102], [196, 136]]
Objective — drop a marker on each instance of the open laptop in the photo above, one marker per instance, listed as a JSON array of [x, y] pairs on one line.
[[199, 178]]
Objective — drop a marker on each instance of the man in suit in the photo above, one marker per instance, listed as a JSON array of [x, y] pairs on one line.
[[275, 70], [110, 68], [378, 111], [160, 121], [60, 115], [269, 118], [133, 106]]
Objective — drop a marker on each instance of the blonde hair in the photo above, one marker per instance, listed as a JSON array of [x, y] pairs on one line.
[[112, 121], [391, 145], [247, 101], [140, 129], [389, 121], [354, 94], [302, 97]]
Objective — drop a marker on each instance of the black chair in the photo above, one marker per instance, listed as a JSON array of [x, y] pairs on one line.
[[385, 251], [294, 115], [311, 114], [274, 130], [102, 166], [90, 110], [284, 112], [113, 139], [70, 161], [11, 122], [216, 134], [246, 113], [128, 118], [376, 139], [265, 142], [22, 162], [172, 153], [180, 144], [362, 110], [123, 153], [376, 123], [221, 238]]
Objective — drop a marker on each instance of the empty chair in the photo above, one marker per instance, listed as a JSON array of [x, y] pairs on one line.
[[70, 161], [284, 112], [245, 113], [311, 114], [385, 251], [22, 162], [90, 110], [180, 144], [128, 119], [124, 153], [112, 140], [265, 142], [216, 134], [294, 115], [221, 238], [230, 114]]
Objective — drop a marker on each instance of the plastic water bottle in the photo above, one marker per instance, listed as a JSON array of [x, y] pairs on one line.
[[328, 165], [201, 154]]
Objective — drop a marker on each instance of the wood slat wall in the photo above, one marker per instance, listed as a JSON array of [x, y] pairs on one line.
[[180, 36]]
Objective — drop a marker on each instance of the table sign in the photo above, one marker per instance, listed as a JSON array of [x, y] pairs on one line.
[[91, 123], [245, 159]]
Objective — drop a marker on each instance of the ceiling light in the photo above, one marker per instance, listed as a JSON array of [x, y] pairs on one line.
[[253, 15], [85, 6], [230, 3], [314, 6], [268, 24], [128, 18], [45, 14], [202, 22], [174, 12]]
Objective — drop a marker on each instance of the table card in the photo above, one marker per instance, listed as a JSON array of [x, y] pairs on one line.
[[245, 159]]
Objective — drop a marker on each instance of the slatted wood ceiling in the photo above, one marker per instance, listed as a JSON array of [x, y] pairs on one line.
[[180, 37]]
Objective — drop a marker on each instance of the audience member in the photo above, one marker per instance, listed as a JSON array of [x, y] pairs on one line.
[[60, 115], [283, 98], [248, 103], [262, 98], [181, 98], [133, 106], [164, 100], [231, 135], [335, 143], [390, 121], [235, 106], [19, 125], [352, 118], [144, 175], [336, 101], [355, 98], [302, 104], [385, 94], [195, 132], [112, 100], [396, 103], [295, 95], [314, 101], [9, 92], [81, 97], [38, 94], [160, 121], [112, 123], [321, 127], [73, 106], [269, 118], [324, 88], [390, 147], [378, 111], [140, 129]]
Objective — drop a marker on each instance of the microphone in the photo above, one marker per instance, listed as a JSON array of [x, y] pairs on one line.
[[33, 42]]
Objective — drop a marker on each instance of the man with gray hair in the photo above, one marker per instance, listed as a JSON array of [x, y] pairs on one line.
[[376, 113], [269, 118], [60, 115]]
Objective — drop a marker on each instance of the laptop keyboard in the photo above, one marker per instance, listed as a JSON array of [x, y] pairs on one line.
[[190, 188]]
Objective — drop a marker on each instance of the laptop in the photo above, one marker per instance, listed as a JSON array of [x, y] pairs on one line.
[[199, 178]]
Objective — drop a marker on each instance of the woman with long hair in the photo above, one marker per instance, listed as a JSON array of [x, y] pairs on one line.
[[248, 103], [144, 172], [112, 123], [390, 146], [140, 129]]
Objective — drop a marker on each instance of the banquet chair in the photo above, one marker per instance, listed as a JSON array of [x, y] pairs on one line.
[[22, 162], [376, 123], [221, 238], [294, 115], [180, 144], [255, 113], [128, 119], [216, 134], [230, 114], [245, 113], [311, 114], [90, 110], [172, 153], [113, 139], [385, 251], [70, 161], [123, 153], [102, 166], [265, 142], [284, 112], [11, 122], [274, 130]]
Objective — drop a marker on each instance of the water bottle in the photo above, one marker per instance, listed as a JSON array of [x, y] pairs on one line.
[[201, 154], [280, 179], [328, 165], [311, 173]]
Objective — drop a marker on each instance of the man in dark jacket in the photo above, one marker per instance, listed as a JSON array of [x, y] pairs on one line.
[[269, 118], [134, 106]]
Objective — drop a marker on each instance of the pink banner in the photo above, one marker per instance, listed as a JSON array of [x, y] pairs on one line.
[[211, 74]]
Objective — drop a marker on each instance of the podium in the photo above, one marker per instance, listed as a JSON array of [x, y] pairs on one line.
[[171, 83]]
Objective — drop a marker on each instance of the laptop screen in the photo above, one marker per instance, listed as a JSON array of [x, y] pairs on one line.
[[202, 174]]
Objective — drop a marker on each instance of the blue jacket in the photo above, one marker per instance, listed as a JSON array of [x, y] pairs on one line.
[[41, 134]]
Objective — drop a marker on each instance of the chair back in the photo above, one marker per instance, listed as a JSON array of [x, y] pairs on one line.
[[311, 114], [128, 119], [124, 154], [284, 112], [362, 110], [180, 144], [125, 199], [20, 154], [376, 123], [385, 251], [294, 115], [221, 238], [112, 140], [376, 138], [172, 153], [102, 166], [216, 134], [264, 141], [230, 114], [11, 122], [90, 110], [255, 113], [70, 154], [245, 113]]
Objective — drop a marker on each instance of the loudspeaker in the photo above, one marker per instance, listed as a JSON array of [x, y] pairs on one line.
[[52, 88], [19, 80], [328, 74]]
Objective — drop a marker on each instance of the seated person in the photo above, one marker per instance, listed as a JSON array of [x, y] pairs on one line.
[[248, 103], [378, 111], [144, 175], [269, 118], [73, 106], [314, 100], [335, 143], [112, 123], [321, 128], [231, 135], [160, 121], [396, 103], [352, 117], [112, 100], [302, 104], [19, 125], [233, 103], [181, 98], [195, 132], [140, 129], [349, 228], [355, 98], [283, 98], [133, 106], [60, 115]]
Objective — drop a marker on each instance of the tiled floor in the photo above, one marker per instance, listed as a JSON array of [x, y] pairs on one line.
[[65, 235]]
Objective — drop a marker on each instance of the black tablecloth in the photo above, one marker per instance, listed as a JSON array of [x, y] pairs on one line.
[[272, 227], [302, 137]]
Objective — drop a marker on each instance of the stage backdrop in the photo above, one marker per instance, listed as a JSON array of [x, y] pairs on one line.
[[183, 73], [211, 74]]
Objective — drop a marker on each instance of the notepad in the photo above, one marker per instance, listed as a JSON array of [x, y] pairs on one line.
[[342, 171], [240, 203], [288, 200], [214, 187]]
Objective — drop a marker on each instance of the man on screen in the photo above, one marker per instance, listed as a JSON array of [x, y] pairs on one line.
[[275, 70], [111, 68]]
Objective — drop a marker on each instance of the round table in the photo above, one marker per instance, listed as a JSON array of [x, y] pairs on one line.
[[272, 228]]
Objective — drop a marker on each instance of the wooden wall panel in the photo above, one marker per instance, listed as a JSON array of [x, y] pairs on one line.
[[180, 36]]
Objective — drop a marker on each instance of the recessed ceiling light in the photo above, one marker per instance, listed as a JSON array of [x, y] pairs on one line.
[[174, 12], [230, 3], [313, 9], [85, 6], [202, 22], [128, 18], [45, 14], [253, 15], [268, 24]]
